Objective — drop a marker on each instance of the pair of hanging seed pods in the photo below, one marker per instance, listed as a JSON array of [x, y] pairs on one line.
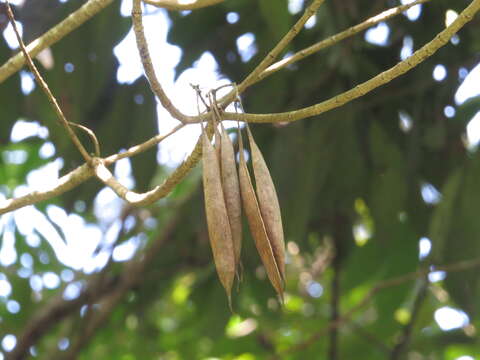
[[226, 192]]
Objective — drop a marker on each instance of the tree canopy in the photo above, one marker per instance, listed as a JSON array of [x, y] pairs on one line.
[[366, 139]]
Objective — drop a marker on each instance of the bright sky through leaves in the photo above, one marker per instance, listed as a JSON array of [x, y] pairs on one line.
[[77, 244]]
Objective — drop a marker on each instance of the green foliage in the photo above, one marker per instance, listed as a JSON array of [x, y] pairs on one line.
[[349, 182]]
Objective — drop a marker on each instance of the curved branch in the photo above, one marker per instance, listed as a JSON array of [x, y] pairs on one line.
[[73, 21], [381, 79], [155, 85], [273, 54], [78, 176], [158, 192], [65, 183], [282, 44], [51, 98], [182, 5], [137, 149], [82, 173], [334, 39]]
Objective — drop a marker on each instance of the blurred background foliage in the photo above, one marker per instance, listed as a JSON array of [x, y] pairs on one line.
[[381, 187]]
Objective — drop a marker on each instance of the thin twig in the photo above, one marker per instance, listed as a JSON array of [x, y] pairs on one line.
[[137, 149], [182, 5], [155, 85], [160, 191], [82, 173], [273, 54], [199, 96], [78, 176], [56, 33], [459, 266], [364, 88], [53, 101], [334, 39], [282, 44], [91, 134], [64, 184]]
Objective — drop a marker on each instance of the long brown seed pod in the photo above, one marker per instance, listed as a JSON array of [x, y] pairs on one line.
[[256, 223], [268, 202], [217, 218], [231, 192], [218, 143], [216, 122]]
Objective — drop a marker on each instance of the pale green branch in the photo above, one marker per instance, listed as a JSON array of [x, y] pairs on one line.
[[282, 44], [73, 21], [160, 191], [416, 58], [83, 173], [146, 59], [273, 54], [137, 149], [334, 39], [51, 98], [64, 184]]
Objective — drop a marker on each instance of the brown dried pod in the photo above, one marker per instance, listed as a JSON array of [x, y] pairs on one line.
[[268, 202], [217, 218], [218, 142], [231, 192], [257, 225]]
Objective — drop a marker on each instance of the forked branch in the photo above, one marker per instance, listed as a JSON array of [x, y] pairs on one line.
[[334, 39], [364, 88], [56, 33], [78, 176], [146, 59], [53, 101], [273, 54], [149, 197], [282, 44], [82, 173]]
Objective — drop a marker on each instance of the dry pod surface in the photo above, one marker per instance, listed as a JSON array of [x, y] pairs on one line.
[[225, 193], [231, 192], [218, 143], [257, 225], [217, 218], [268, 202]]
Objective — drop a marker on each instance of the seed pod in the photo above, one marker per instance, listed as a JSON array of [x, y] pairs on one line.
[[268, 202], [231, 192], [218, 143], [257, 226], [217, 218]]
